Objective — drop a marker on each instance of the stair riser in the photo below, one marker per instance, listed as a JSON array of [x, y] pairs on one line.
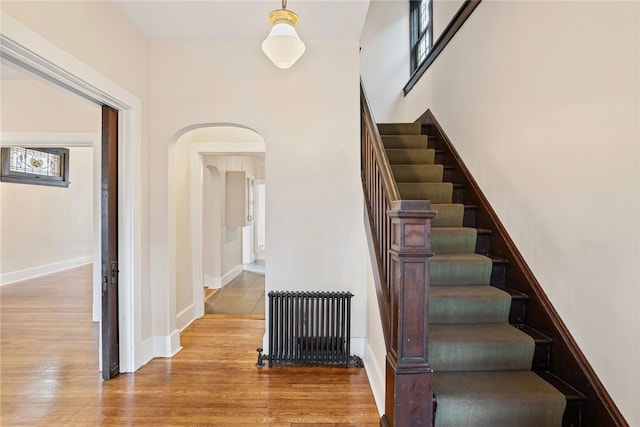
[[405, 157], [453, 240], [399, 128], [542, 357], [477, 313], [437, 192], [482, 243], [497, 357], [458, 194], [517, 311], [422, 173], [498, 275], [405, 141], [572, 414], [441, 157], [469, 219]]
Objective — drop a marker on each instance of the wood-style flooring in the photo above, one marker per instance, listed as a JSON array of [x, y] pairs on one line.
[[49, 372], [244, 295]]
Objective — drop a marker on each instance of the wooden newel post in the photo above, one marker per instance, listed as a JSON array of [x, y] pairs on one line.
[[409, 392]]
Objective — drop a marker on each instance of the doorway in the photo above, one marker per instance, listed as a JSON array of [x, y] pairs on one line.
[[209, 248], [72, 234], [30, 51]]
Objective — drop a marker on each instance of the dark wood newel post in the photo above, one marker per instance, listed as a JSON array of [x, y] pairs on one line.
[[409, 392]]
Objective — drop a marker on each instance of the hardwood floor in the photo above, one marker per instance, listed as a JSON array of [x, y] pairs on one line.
[[49, 372], [244, 295]]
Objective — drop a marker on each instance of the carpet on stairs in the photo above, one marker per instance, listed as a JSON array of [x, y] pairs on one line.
[[482, 365]]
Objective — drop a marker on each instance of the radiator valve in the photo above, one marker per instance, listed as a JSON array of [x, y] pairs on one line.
[[261, 357]]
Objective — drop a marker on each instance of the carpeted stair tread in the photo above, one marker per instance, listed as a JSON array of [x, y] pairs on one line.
[[460, 269], [496, 399], [479, 347], [452, 240], [401, 156], [468, 304], [417, 173], [399, 128], [405, 141], [436, 192], [447, 215]]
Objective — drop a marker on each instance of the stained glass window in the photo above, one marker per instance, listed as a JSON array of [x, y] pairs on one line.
[[35, 162], [44, 166]]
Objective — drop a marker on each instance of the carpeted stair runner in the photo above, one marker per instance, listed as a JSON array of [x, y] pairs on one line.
[[496, 399], [482, 365]]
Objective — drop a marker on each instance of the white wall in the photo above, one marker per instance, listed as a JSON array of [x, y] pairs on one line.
[[548, 123], [48, 227], [443, 13], [212, 217], [33, 106], [383, 66], [375, 353], [309, 119], [260, 215], [231, 249]]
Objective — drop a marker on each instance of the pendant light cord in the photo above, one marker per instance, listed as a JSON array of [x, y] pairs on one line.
[[284, 4]]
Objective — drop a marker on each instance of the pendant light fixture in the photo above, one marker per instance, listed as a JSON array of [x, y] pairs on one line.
[[282, 45]]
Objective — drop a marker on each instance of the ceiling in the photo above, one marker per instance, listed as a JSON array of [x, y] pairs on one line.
[[243, 20]]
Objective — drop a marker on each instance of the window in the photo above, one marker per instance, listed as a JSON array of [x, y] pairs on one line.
[[40, 166], [421, 31]]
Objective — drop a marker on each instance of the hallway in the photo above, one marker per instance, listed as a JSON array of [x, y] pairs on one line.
[[244, 295], [50, 377]]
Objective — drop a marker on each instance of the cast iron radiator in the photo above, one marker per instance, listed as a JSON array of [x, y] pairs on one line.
[[309, 328]]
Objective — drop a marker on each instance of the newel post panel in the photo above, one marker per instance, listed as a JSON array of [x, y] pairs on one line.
[[409, 392]]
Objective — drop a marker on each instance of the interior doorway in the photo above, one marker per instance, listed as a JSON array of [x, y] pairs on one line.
[[216, 170], [30, 51], [73, 236]]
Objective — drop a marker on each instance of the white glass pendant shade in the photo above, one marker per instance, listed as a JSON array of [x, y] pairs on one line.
[[282, 45]]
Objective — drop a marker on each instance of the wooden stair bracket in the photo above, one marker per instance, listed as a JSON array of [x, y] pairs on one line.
[[409, 391]]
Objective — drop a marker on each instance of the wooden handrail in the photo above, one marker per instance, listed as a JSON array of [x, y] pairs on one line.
[[398, 233], [380, 190], [389, 184]]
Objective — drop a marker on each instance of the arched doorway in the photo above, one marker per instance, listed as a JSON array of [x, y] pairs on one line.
[[208, 250]]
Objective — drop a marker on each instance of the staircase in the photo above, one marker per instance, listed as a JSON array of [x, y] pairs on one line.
[[490, 368]]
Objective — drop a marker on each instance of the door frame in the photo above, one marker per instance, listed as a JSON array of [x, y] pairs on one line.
[[21, 45]]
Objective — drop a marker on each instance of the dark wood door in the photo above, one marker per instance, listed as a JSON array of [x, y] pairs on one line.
[[109, 190]]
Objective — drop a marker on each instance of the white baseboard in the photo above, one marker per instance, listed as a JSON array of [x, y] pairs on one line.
[[186, 317], [220, 282], [212, 282], [144, 353], [157, 346], [30, 273], [376, 375], [235, 272], [167, 345], [357, 346]]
